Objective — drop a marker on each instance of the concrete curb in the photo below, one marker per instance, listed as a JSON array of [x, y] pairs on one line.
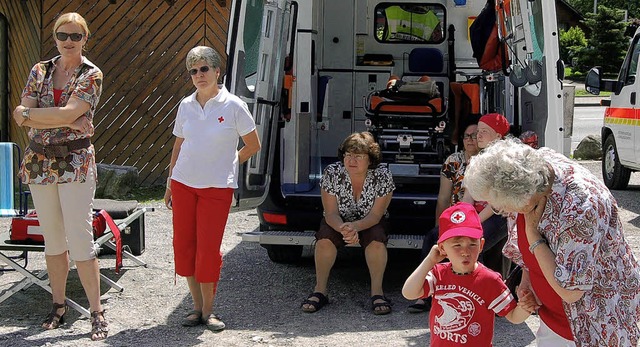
[[585, 101], [587, 104]]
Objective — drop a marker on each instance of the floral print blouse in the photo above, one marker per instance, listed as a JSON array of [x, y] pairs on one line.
[[584, 231], [335, 181], [85, 84], [453, 169]]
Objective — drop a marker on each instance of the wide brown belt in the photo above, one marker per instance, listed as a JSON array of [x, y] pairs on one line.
[[59, 150]]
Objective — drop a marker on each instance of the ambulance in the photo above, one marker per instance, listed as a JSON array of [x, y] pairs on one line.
[[621, 128], [410, 72]]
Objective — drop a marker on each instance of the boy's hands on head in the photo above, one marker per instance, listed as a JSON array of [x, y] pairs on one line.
[[414, 285], [436, 255]]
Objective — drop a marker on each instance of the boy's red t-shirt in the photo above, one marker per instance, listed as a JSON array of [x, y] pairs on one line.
[[464, 306]]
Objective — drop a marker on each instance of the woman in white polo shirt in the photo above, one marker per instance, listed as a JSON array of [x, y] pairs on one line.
[[202, 175]]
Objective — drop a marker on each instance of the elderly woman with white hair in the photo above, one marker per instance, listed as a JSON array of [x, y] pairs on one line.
[[566, 233], [202, 176]]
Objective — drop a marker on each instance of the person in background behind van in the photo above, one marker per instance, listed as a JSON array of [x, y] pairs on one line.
[[355, 195], [202, 176], [530, 138], [565, 231]]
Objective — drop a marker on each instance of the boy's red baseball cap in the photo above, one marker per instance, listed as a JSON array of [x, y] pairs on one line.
[[460, 219], [496, 122]]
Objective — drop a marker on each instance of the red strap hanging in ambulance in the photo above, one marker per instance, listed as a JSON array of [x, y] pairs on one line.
[[116, 235]]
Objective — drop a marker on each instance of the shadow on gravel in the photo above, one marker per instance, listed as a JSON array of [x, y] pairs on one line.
[[27, 308], [627, 199], [257, 299], [273, 303]]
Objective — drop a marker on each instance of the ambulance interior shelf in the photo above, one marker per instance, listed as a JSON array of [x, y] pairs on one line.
[[376, 60]]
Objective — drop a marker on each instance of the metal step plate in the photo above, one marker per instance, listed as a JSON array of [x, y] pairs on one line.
[[307, 238]]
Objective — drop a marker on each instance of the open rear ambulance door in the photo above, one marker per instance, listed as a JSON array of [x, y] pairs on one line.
[[256, 49]]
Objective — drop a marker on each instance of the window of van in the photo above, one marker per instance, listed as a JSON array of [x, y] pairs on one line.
[[251, 42], [631, 66], [404, 23]]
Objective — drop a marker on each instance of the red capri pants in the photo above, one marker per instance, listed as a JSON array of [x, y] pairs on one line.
[[199, 218]]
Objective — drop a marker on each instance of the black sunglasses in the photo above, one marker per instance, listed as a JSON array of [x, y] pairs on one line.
[[74, 36], [203, 69]]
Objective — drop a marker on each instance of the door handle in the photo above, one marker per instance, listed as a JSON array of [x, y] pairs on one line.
[[632, 100]]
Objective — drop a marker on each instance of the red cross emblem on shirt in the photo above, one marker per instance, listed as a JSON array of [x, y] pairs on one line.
[[458, 217], [220, 119]]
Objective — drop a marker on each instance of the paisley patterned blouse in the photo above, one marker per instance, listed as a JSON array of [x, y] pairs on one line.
[[584, 231], [86, 85], [335, 181]]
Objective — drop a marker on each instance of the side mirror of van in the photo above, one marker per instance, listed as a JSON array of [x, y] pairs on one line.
[[593, 80], [594, 83]]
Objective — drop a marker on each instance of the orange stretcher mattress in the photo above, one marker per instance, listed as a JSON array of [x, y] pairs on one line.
[[399, 107]]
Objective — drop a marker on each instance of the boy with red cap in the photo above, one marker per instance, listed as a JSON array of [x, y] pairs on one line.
[[466, 294], [491, 127]]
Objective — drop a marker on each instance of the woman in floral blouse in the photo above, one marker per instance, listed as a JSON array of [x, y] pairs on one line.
[[568, 237], [58, 105], [355, 195]]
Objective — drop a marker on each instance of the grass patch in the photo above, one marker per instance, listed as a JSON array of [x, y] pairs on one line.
[[582, 92], [147, 194], [577, 76]]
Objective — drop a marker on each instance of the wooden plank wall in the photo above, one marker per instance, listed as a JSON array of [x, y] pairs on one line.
[[24, 22], [140, 46]]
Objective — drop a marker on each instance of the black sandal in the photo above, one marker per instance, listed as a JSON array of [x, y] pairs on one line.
[[419, 308], [381, 307], [54, 320], [99, 328], [317, 305]]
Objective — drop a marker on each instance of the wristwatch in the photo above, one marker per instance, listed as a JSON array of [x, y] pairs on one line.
[[25, 113]]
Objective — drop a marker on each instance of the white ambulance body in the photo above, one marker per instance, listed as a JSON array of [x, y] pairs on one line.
[[315, 71], [621, 129]]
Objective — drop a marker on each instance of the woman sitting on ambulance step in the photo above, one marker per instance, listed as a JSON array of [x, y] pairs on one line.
[[355, 195]]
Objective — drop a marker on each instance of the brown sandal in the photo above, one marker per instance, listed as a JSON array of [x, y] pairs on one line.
[[99, 328], [54, 320]]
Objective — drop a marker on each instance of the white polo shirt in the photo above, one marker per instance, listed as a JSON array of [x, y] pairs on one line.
[[209, 154]]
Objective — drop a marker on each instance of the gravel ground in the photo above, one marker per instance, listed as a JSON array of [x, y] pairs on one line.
[[257, 299]]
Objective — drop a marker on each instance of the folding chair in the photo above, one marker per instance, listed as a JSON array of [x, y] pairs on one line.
[[9, 164]]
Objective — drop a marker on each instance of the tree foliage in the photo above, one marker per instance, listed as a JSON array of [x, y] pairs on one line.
[[571, 42], [586, 6], [606, 44]]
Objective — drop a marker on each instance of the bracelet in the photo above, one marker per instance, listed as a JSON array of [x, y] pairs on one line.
[[536, 244], [169, 182]]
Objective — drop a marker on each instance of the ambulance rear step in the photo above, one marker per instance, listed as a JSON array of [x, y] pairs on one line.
[[307, 238]]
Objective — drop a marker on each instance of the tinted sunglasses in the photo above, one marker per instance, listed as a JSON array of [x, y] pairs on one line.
[[74, 36], [203, 69]]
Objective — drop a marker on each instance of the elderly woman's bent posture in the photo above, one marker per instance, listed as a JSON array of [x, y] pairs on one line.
[[58, 104], [566, 233], [202, 175], [355, 195]]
